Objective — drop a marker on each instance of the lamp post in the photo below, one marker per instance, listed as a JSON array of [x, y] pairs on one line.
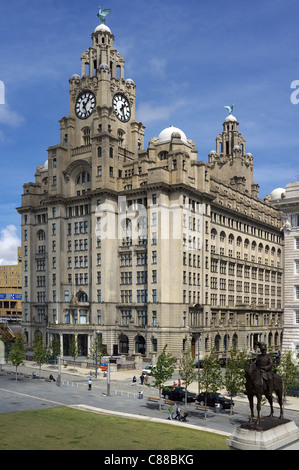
[[108, 378], [198, 336], [59, 371]]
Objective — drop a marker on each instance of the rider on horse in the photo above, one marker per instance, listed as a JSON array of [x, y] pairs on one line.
[[264, 363]]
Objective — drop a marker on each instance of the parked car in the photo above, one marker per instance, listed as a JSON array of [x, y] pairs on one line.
[[214, 399], [178, 394], [148, 370]]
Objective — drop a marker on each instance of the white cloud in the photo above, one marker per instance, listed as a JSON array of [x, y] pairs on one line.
[[9, 242], [10, 117], [148, 112]]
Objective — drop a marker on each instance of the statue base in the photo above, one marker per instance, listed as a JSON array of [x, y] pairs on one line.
[[270, 434]]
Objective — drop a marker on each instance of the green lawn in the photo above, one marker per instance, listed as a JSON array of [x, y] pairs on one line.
[[64, 428]]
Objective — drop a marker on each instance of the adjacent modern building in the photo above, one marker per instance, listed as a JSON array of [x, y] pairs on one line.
[[288, 201], [146, 246], [11, 292]]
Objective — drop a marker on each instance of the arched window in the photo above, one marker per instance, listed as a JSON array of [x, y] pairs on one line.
[[86, 135], [83, 178], [41, 235], [140, 345], [82, 297], [123, 344], [217, 343]]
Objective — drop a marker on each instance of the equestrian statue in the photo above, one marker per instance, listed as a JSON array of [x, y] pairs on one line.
[[262, 380]]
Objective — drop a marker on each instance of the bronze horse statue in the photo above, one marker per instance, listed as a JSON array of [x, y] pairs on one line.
[[258, 385]]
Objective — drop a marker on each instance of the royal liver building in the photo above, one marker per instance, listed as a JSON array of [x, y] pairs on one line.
[[146, 246]]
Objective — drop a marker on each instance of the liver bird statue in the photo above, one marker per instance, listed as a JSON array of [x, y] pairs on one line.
[[102, 14], [230, 108]]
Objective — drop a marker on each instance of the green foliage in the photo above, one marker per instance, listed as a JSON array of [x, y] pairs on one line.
[[74, 348], [187, 372], [97, 350], [55, 345], [288, 370], [39, 353], [210, 376], [163, 371], [234, 377], [17, 352]]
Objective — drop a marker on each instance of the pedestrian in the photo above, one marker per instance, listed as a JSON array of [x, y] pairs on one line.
[[89, 384], [141, 379], [170, 411], [178, 412], [134, 380], [146, 379], [179, 383]]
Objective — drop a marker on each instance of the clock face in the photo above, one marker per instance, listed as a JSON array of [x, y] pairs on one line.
[[85, 105], [121, 107]]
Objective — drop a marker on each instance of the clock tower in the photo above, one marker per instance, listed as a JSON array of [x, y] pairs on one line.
[[102, 111]]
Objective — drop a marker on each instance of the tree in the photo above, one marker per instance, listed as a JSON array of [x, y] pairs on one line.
[[97, 350], [234, 377], [55, 346], [210, 376], [18, 352], [39, 353], [187, 371], [163, 371], [74, 347], [288, 370]]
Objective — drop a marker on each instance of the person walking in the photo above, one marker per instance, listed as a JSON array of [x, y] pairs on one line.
[[178, 412], [170, 411], [89, 384], [141, 379]]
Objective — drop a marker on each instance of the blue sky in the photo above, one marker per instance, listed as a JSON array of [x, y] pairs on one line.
[[188, 59]]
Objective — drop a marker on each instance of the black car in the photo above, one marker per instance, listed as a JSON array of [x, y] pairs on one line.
[[214, 399], [178, 394]]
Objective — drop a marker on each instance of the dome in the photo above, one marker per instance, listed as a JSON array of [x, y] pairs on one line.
[[129, 81], [166, 134], [102, 28], [230, 118], [277, 194], [75, 76]]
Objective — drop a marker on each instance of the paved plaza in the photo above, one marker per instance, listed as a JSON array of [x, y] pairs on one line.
[[125, 399]]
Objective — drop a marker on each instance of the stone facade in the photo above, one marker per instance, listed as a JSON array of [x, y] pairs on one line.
[[288, 201], [146, 247]]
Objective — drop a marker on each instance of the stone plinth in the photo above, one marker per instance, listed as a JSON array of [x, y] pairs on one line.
[[270, 434]]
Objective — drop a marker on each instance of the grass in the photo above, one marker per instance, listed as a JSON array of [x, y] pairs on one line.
[[63, 428]]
